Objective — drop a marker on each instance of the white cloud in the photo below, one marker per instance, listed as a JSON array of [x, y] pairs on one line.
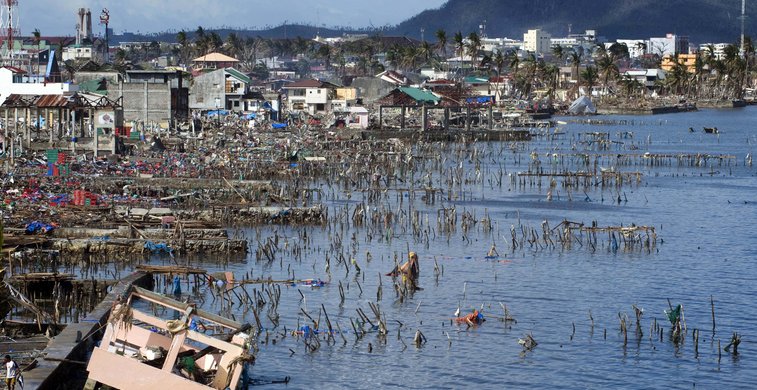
[[56, 17]]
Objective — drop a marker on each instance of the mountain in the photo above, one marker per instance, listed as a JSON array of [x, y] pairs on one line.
[[702, 20]]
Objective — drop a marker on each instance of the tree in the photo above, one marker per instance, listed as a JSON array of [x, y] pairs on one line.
[[201, 42], [260, 71], [558, 52], [499, 62], [590, 76], [233, 45], [181, 39], [576, 56], [459, 46], [441, 42], [473, 46], [37, 40]]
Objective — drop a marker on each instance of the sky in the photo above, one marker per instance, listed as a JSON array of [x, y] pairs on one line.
[[58, 17]]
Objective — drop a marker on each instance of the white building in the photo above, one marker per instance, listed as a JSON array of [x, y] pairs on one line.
[[646, 77], [500, 44], [12, 81], [670, 45], [537, 41], [636, 47], [310, 96], [719, 49]]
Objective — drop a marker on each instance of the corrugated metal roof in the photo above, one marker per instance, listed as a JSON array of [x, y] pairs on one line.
[[420, 95], [241, 76]]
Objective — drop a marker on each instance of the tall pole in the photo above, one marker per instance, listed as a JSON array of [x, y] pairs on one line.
[[104, 19], [742, 50]]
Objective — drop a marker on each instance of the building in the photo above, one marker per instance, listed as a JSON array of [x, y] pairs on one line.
[[154, 98], [636, 47], [214, 61], [646, 77], [689, 61], [409, 96], [670, 45], [718, 49], [537, 42], [310, 96], [225, 88], [14, 81]]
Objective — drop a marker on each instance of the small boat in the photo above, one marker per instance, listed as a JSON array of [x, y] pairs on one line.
[[711, 130], [198, 350]]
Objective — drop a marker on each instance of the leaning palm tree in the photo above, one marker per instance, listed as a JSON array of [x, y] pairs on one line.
[[499, 62]]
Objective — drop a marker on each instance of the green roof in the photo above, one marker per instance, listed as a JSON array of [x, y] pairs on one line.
[[238, 75], [94, 86], [420, 95]]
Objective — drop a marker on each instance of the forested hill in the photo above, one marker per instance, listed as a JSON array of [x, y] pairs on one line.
[[701, 20]]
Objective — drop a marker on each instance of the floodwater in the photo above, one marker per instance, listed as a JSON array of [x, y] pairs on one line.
[[704, 219]]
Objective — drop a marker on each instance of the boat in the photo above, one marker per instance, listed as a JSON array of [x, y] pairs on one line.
[[142, 351], [711, 130]]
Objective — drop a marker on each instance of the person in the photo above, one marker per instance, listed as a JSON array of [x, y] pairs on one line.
[[411, 270], [11, 372]]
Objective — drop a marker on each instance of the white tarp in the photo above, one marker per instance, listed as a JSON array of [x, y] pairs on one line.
[[582, 105]]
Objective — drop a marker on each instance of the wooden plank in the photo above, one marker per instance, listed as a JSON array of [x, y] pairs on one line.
[[176, 305]]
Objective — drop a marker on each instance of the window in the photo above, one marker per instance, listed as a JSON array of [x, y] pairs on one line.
[[320, 107], [319, 91], [236, 103]]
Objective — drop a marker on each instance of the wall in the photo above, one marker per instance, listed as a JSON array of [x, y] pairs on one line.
[[8, 87], [205, 89]]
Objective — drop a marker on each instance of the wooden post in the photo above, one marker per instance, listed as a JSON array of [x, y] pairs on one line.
[[491, 118], [424, 118], [381, 117], [402, 120], [446, 118], [467, 118]]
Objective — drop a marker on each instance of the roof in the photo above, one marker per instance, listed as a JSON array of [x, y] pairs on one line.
[[98, 86], [14, 69], [476, 80], [309, 84], [215, 57], [420, 95], [241, 76]]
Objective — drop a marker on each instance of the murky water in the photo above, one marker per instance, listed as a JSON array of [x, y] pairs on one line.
[[706, 246]]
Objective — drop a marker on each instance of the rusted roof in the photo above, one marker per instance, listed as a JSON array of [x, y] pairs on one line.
[[76, 100], [309, 84]]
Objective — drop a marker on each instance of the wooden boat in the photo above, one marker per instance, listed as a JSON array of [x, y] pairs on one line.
[[141, 351]]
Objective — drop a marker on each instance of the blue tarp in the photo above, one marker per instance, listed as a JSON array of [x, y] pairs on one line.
[[36, 226], [479, 100], [161, 247], [278, 125], [250, 116], [218, 112]]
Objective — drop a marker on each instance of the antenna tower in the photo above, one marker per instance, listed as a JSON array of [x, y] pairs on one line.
[[8, 27]]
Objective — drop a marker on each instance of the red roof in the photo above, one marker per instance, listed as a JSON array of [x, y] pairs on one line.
[[14, 69]]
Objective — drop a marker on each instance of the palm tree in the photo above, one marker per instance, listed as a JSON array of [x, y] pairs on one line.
[[576, 56], [181, 39], [473, 46], [441, 42], [37, 40], [425, 51], [233, 44], [590, 76], [499, 62], [201, 42], [459, 46], [558, 52], [607, 67]]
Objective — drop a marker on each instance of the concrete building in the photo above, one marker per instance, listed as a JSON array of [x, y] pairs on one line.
[[537, 41], [689, 61], [310, 96], [151, 98], [636, 47], [670, 45], [220, 89], [717, 48]]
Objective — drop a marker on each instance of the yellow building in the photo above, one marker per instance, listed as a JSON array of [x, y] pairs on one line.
[[689, 61]]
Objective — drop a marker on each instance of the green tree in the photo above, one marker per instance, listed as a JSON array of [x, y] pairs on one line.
[[441, 42], [590, 77]]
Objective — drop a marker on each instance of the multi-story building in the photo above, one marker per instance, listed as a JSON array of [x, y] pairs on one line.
[[670, 45], [310, 96], [537, 41]]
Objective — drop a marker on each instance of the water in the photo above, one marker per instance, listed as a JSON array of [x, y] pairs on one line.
[[706, 247]]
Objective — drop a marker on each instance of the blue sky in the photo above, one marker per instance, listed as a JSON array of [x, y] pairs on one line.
[[58, 17]]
